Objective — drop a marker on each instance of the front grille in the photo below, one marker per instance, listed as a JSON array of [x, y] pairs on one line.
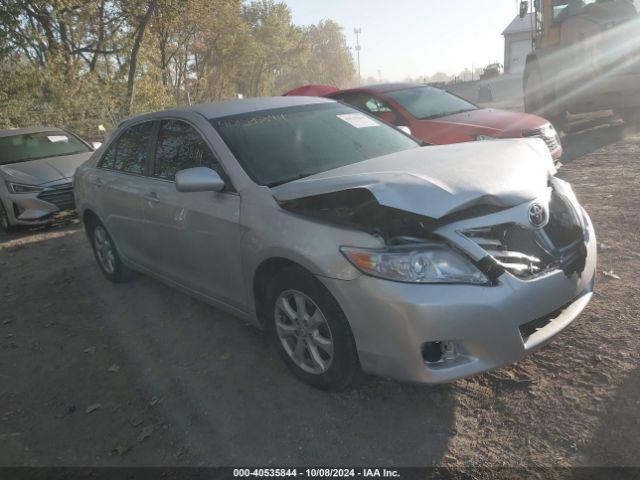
[[61, 196], [548, 134], [524, 252]]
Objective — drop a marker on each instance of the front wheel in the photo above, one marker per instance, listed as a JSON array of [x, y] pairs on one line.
[[310, 330], [534, 96], [540, 100], [5, 223]]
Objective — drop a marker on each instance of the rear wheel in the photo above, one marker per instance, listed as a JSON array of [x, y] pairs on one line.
[[106, 253], [310, 330]]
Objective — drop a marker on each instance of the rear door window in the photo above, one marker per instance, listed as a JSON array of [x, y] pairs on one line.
[[129, 153], [133, 146]]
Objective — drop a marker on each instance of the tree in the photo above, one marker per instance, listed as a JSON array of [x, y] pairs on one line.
[[330, 61], [80, 63], [141, 25]]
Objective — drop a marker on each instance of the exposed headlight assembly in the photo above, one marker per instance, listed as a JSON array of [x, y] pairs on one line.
[[20, 188], [426, 263]]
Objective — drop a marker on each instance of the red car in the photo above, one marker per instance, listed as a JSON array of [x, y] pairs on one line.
[[439, 117]]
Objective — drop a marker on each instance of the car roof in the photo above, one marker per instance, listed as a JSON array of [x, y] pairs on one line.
[[21, 131], [383, 87], [233, 107]]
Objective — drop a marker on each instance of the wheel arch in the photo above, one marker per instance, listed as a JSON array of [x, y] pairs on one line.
[[89, 216], [265, 271]]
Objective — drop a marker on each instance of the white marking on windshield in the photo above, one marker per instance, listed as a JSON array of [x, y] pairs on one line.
[[358, 120], [57, 138]]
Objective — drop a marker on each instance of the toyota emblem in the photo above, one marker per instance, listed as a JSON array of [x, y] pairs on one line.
[[537, 215]]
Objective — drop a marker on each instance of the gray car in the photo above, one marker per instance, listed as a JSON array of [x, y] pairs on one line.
[[36, 172], [353, 245]]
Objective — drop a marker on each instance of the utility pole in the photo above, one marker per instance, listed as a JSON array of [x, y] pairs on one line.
[[380, 75], [358, 31]]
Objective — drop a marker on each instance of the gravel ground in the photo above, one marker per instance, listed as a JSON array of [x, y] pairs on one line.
[[98, 374]]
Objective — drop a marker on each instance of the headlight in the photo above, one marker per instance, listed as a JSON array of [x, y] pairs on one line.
[[20, 188], [482, 138], [429, 263]]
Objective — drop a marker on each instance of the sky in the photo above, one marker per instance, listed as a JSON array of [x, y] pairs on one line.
[[413, 38]]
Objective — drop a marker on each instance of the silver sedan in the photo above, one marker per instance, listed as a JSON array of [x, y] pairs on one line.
[[353, 245], [36, 171]]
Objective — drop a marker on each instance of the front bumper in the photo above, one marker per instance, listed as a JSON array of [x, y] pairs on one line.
[[38, 208], [392, 321]]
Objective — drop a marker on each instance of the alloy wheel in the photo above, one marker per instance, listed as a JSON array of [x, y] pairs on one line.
[[304, 332], [104, 249]]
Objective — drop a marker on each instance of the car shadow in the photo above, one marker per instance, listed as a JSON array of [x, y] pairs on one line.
[[212, 386], [228, 393], [615, 443]]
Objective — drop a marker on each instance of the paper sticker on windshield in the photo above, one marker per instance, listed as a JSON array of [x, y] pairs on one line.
[[57, 138], [358, 120]]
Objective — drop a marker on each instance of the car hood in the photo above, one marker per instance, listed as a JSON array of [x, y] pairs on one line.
[[43, 170], [498, 120], [439, 180]]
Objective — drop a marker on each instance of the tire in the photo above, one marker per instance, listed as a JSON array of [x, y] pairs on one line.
[[539, 101], [106, 253], [5, 223], [534, 95], [307, 353]]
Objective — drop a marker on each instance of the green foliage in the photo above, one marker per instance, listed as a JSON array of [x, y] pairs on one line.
[[66, 63]]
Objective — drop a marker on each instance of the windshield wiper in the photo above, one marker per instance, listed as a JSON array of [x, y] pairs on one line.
[[292, 178]]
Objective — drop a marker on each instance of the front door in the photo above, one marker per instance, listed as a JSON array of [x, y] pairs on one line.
[[196, 235]]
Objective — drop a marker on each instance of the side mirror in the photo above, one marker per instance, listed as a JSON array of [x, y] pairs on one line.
[[96, 145], [405, 129], [199, 179], [524, 8]]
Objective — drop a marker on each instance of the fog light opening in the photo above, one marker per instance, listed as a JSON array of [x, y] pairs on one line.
[[17, 210], [436, 352]]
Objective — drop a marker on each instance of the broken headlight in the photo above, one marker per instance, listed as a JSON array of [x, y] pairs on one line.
[[427, 263]]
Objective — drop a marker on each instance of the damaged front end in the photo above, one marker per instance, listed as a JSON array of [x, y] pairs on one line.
[[524, 251], [528, 252]]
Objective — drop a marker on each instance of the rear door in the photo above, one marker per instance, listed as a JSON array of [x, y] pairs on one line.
[[196, 234], [120, 188]]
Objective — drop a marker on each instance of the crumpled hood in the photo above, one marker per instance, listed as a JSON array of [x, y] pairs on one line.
[[440, 180], [44, 170]]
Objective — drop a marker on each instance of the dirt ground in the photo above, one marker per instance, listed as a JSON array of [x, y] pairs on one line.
[[138, 374]]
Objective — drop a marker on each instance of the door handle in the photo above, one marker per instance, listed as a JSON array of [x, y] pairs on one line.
[[152, 198], [98, 182]]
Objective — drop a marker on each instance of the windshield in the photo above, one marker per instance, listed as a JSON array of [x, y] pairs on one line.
[[429, 102], [285, 144], [32, 146]]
